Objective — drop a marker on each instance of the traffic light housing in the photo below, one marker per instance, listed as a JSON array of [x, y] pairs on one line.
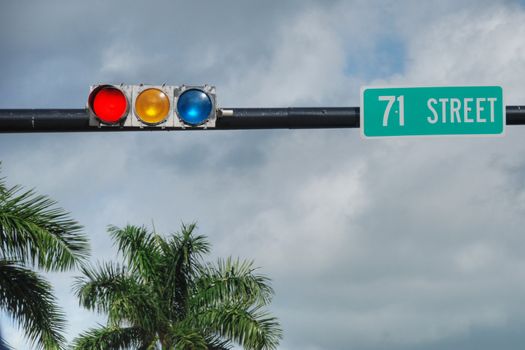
[[152, 106], [108, 104], [196, 106]]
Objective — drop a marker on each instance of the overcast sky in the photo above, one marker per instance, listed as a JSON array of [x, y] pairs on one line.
[[371, 244]]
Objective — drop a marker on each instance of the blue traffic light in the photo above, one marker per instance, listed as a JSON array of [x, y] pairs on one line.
[[194, 107]]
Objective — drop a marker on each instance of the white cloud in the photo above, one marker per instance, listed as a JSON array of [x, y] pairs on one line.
[[371, 244], [477, 45]]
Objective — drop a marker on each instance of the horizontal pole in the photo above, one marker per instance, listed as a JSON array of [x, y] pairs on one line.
[[43, 120], [289, 118], [77, 120], [515, 115]]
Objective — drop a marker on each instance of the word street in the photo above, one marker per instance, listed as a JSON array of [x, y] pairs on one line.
[[466, 110]]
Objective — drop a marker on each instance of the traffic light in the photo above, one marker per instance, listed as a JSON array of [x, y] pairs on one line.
[[108, 104], [152, 106], [195, 106]]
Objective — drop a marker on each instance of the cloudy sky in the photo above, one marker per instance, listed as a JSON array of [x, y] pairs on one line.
[[371, 244]]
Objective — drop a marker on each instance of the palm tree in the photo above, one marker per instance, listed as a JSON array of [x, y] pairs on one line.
[[165, 297], [35, 233]]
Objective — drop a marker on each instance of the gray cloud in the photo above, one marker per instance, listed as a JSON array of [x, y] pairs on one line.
[[411, 244]]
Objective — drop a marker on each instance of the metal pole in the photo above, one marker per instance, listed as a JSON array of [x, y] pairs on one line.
[[515, 115], [77, 120], [289, 118]]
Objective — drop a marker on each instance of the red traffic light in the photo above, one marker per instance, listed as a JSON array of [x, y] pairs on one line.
[[109, 104]]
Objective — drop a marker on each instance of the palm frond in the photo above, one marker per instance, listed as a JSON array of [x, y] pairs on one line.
[[33, 230], [181, 261], [249, 326], [186, 338], [113, 338], [187, 246], [228, 281], [118, 292], [29, 300], [216, 343], [139, 248]]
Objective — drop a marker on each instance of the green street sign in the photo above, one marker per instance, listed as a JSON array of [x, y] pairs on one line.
[[411, 111]]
